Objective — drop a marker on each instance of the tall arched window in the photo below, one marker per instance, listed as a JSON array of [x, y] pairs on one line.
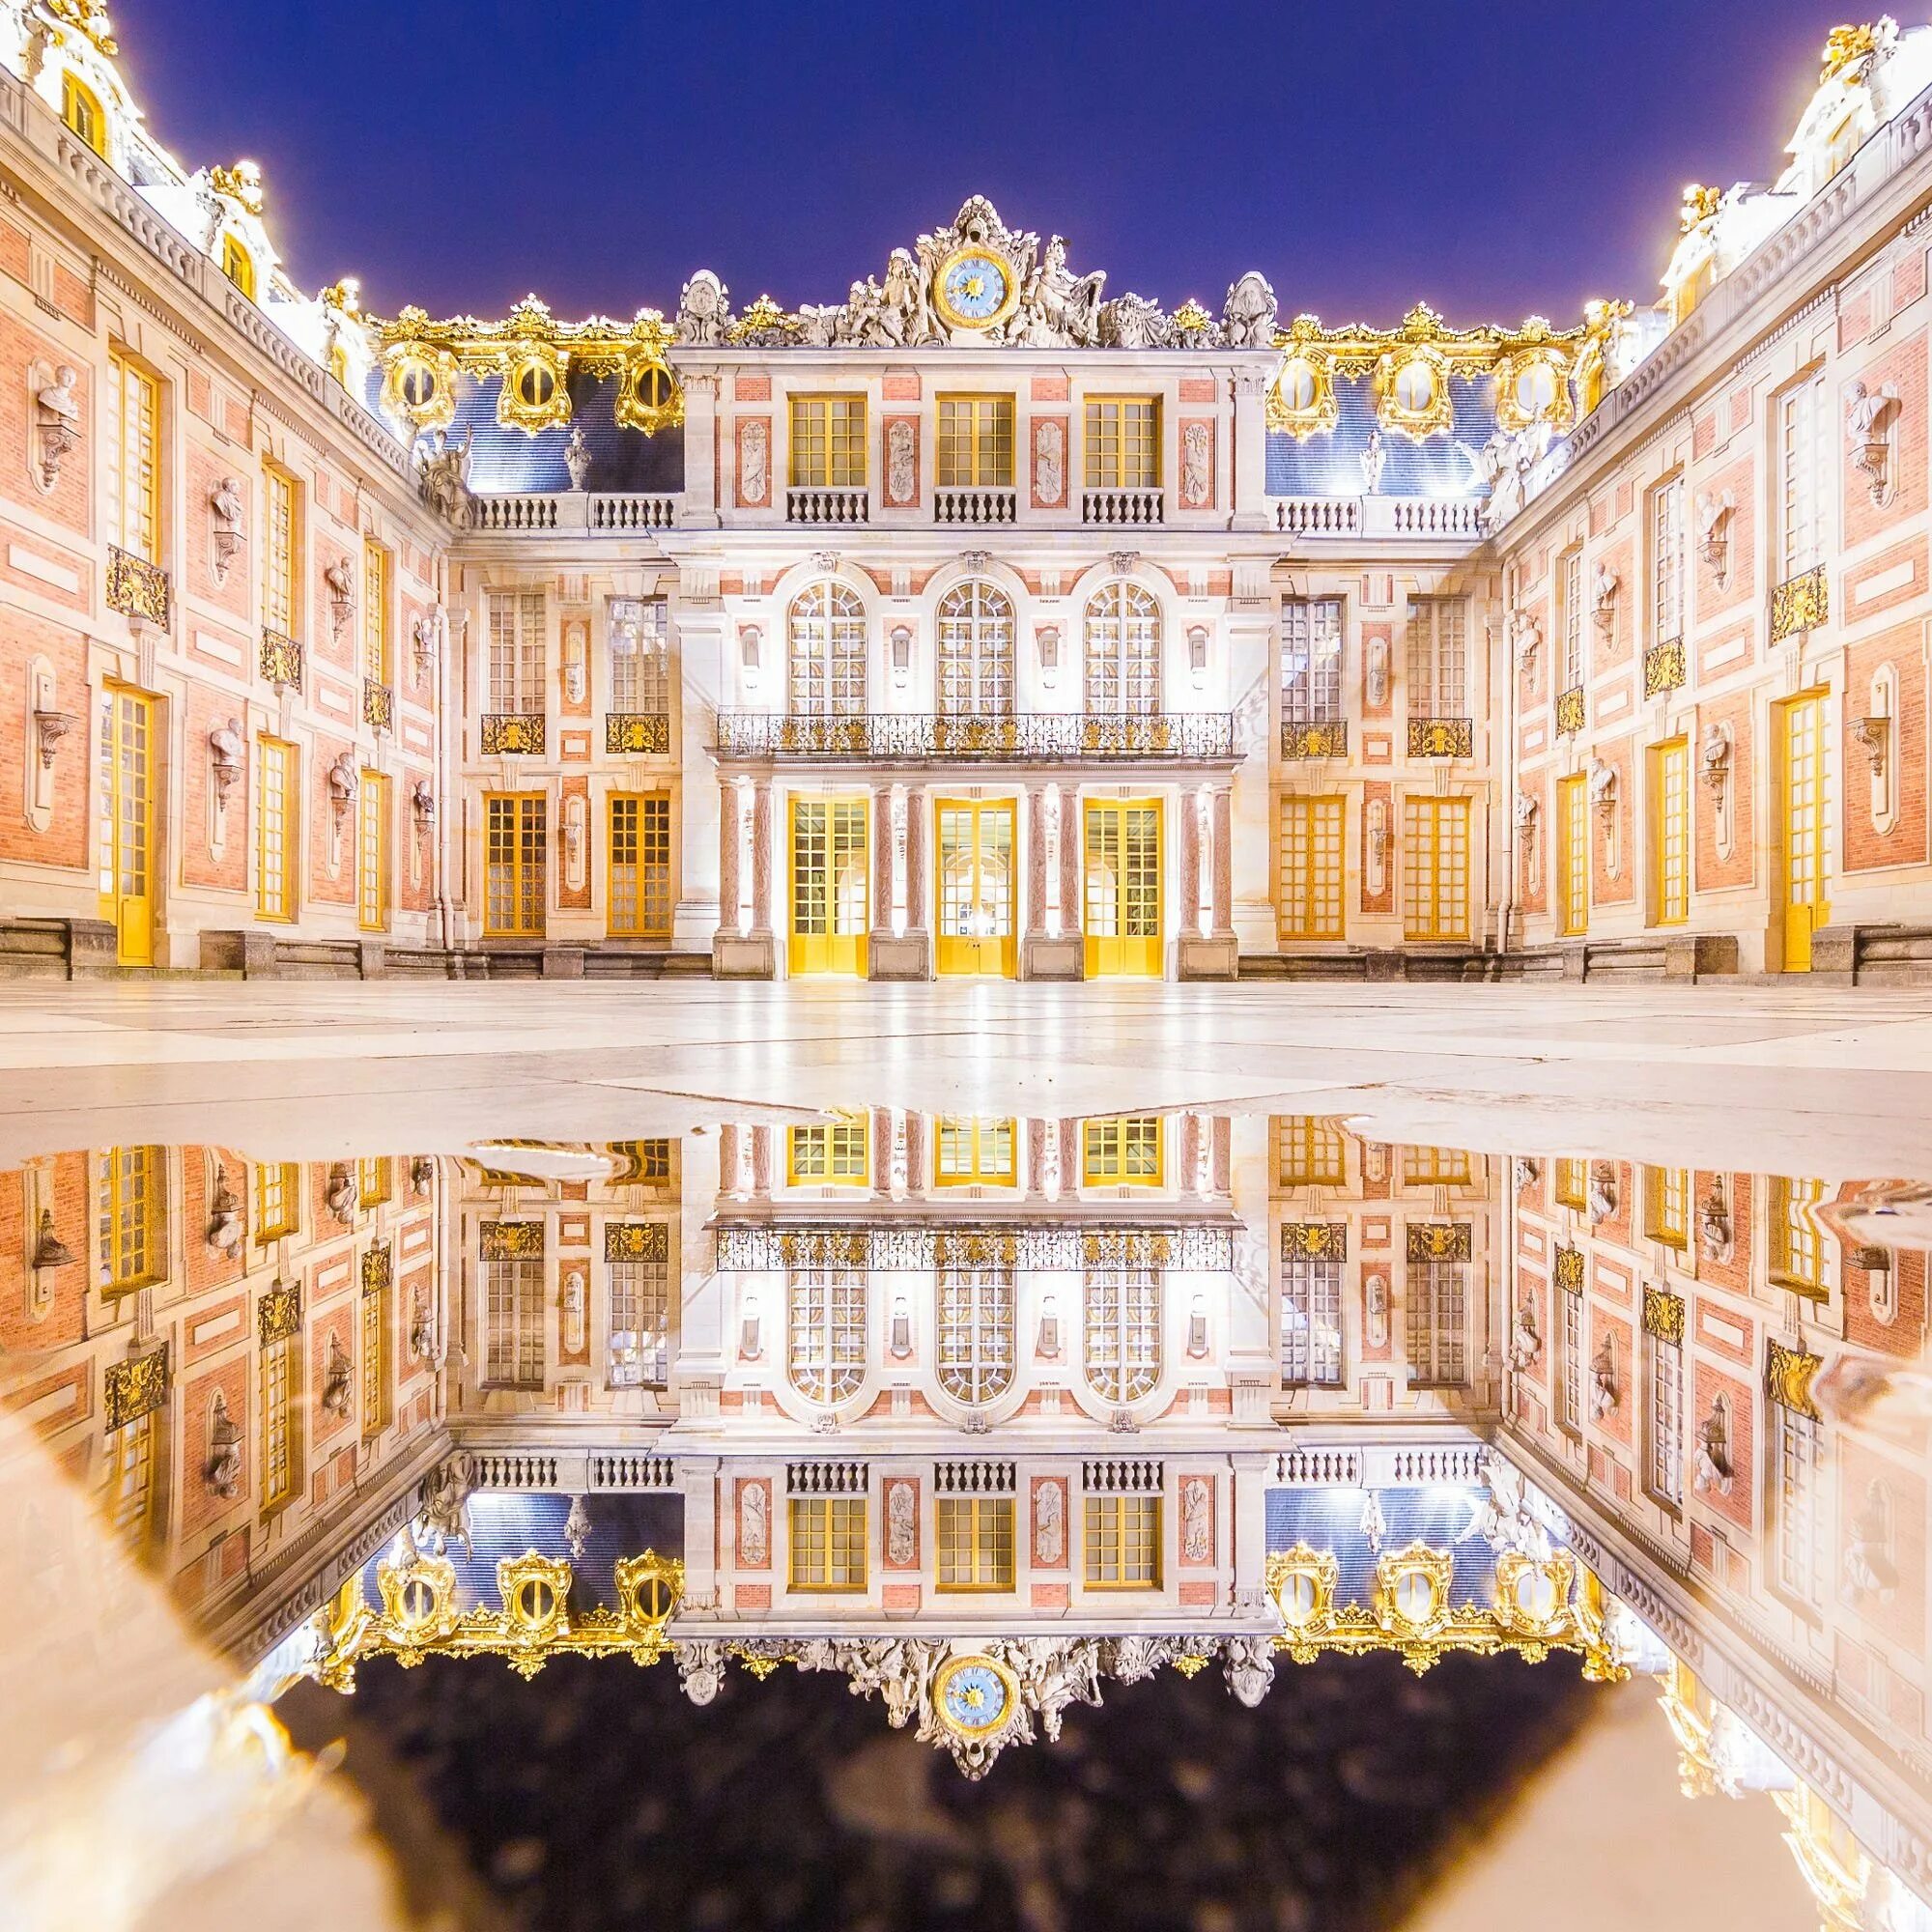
[[1123, 1332], [975, 652], [1123, 652], [976, 1332], [828, 653], [827, 1339]]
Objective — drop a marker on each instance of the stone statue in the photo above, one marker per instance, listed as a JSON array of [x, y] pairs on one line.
[[1604, 1392], [444, 470], [1374, 460], [1248, 1662], [1374, 1524], [577, 458], [1053, 1674], [754, 1525], [1525, 1343], [1132, 321], [1049, 1525], [1247, 316], [576, 1530], [1131, 1659], [1712, 1452], [1604, 598], [57, 417], [1714, 1229], [1713, 529], [1049, 461], [1871, 1571], [1059, 308], [1602, 785], [1603, 1191], [902, 1527], [443, 1504], [341, 585], [1196, 484], [905, 303], [902, 460], [225, 750], [228, 509], [1196, 1499], [754, 459], [702, 311], [224, 1217], [339, 1198], [1525, 811], [336, 1377], [1867, 444], [221, 1474], [701, 1669], [422, 1337]]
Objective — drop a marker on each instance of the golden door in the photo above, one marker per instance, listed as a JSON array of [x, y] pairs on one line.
[[1801, 770], [126, 823], [830, 886], [975, 887], [1122, 896]]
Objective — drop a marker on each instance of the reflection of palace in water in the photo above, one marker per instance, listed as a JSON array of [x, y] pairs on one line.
[[982, 1410]]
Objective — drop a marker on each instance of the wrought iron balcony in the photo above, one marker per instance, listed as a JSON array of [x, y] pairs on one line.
[[636, 731], [1663, 667], [1124, 509], [379, 705], [1441, 738], [1570, 711], [828, 506], [975, 505], [1032, 737], [138, 589], [519, 732], [1329, 740], [907, 1246], [1800, 604], [281, 661]]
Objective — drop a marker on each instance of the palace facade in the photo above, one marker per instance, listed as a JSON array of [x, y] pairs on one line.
[[981, 623]]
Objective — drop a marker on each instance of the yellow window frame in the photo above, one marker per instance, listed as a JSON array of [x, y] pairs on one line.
[[829, 435], [515, 869], [831, 1153], [281, 1459], [974, 1537], [1573, 1184], [278, 1200], [1435, 1167], [1122, 1150], [1123, 443], [1121, 1542], [1797, 1240], [638, 885], [975, 441], [238, 265], [1666, 1204], [975, 1151], [375, 1180], [132, 1217], [281, 553], [378, 633], [1312, 866], [375, 1365], [372, 853], [82, 113], [1309, 1152], [277, 830], [134, 459], [828, 1543], [1671, 830], [1438, 856], [1573, 854]]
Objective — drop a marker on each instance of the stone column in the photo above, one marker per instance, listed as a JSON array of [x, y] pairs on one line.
[[1250, 1530], [1036, 1131], [1224, 861], [882, 1153], [730, 836], [1049, 957], [761, 1163], [1036, 863], [1189, 923], [727, 1158], [698, 1478], [1212, 954], [736, 954], [916, 833], [762, 859], [697, 661], [883, 868], [915, 1147]]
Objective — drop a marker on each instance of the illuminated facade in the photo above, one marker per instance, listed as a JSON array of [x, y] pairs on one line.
[[981, 623]]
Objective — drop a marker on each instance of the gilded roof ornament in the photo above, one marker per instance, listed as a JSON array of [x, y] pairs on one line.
[[1699, 206], [88, 18], [1848, 46], [242, 184]]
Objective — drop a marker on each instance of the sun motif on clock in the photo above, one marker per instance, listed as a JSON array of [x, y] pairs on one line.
[[974, 289], [974, 1695]]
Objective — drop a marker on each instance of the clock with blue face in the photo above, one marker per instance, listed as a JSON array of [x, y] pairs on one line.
[[974, 289], [974, 1695]]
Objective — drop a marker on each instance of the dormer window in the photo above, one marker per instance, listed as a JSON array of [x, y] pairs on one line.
[[82, 110], [238, 266]]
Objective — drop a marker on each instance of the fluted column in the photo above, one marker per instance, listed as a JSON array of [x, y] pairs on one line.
[[731, 836], [761, 859], [1190, 862], [1224, 860]]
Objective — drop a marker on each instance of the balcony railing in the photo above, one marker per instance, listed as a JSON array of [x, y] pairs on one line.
[[636, 731], [138, 589], [975, 505], [901, 1246], [281, 661], [828, 506], [1124, 509], [1329, 740], [519, 733], [572, 512], [379, 705], [1570, 711], [1035, 737], [1441, 738], [1800, 604], [1461, 519], [1663, 667]]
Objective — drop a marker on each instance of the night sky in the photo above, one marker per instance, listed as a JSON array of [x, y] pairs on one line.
[[1493, 159]]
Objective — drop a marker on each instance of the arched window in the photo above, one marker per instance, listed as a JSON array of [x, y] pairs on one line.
[[82, 110], [828, 653], [827, 1348], [1123, 1332], [976, 1333], [1123, 652], [975, 652]]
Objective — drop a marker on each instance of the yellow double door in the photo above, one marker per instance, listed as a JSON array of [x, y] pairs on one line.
[[1122, 842], [1802, 828], [125, 824], [830, 886], [978, 929]]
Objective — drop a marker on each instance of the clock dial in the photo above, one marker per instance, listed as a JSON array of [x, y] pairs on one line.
[[974, 1696], [975, 287]]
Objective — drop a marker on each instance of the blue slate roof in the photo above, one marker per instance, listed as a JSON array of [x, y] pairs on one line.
[[1330, 463], [1331, 1519]]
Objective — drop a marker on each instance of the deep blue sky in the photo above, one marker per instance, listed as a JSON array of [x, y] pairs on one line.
[[1493, 159]]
